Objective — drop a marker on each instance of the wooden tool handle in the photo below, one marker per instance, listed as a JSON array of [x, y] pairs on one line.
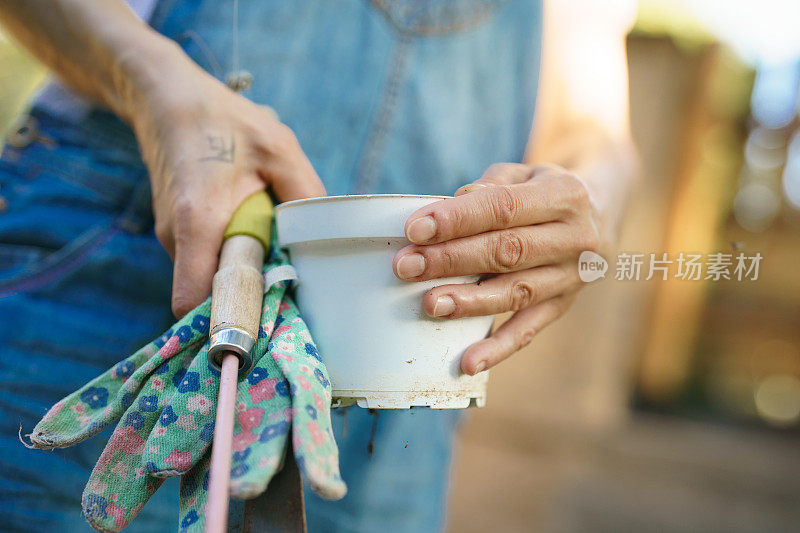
[[238, 286]]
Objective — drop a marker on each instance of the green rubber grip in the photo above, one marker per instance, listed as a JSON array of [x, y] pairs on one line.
[[254, 218]]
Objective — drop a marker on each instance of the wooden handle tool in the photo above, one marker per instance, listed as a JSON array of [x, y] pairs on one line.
[[236, 296]]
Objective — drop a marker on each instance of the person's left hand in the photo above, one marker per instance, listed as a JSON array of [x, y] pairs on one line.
[[525, 226]]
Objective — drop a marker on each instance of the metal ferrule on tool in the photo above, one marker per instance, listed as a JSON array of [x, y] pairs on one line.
[[231, 340]]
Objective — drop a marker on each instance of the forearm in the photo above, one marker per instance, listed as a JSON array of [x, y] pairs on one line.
[[101, 49], [582, 118], [206, 147]]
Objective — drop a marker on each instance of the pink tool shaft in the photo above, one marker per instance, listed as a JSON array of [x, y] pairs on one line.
[[220, 476], [236, 295]]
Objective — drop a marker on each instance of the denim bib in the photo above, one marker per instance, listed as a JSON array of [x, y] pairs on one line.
[[385, 96], [401, 96]]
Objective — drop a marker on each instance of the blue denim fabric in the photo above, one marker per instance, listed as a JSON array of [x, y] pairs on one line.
[[406, 96], [83, 282]]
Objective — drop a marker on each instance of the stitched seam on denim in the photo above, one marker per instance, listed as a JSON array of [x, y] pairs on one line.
[[137, 215], [437, 29], [37, 158], [91, 127], [376, 141], [112, 201], [214, 66], [27, 167], [59, 263], [22, 252], [160, 13]]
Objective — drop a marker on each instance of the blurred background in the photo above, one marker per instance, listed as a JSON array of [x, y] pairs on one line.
[[662, 405], [670, 405]]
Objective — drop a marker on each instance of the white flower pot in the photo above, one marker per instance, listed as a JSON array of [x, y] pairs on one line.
[[380, 348]]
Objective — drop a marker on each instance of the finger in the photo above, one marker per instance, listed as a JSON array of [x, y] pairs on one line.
[[501, 293], [499, 174], [516, 333], [197, 244], [164, 233], [288, 171], [496, 252], [495, 207], [296, 181]]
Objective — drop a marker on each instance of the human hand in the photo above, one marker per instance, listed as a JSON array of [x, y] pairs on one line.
[[207, 149], [525, 226]]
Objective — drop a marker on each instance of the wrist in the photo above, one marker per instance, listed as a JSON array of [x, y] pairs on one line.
[[146, 74]]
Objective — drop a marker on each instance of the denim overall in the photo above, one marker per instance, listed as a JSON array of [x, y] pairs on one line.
[[388, 96]]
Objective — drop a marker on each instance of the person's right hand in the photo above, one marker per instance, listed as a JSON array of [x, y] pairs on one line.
[[207, 149]]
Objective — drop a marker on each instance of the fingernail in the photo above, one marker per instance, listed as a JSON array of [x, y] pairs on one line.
[[445, 305], [411, 266], [421, 230], [480, 367]]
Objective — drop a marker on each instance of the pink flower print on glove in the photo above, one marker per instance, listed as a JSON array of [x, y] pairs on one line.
[[187, 422], [303, 382], [199, 403], [315, 432], [130, 441], [250, 418], [263, 390], [180, 460]]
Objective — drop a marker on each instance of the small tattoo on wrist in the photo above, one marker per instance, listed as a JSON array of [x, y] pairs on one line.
[[220, 149]]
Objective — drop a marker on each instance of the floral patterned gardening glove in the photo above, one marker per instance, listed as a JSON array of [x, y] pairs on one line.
[[135, 392], [165, 395], [287, 389]]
